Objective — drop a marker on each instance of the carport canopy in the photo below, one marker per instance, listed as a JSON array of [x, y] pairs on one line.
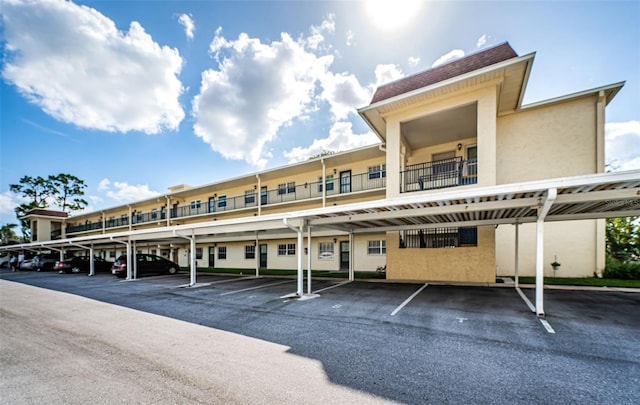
[[595, 196]]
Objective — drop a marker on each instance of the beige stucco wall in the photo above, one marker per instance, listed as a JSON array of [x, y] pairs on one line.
[[472, 264], [558, 140], [572, 243]]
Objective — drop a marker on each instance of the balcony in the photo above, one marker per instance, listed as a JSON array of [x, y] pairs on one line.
[[439, 174], [285, 193]]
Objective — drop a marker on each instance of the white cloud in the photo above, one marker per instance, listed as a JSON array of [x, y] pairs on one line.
[[413, 61], [79, 68], [341, 138], [350, 38], [122, 191], [622, 145], [316, 39], [9, 201], [189, 26], [482, 41], [257, 89], [454, 54], [344, 94], [387, 73]]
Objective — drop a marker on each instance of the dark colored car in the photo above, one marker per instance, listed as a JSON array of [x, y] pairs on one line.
[[80, 264], [146, 264]]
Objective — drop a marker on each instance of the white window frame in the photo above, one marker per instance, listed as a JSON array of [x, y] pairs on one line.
[[377, 171], [195, 204], [377, 247], [326, 251], [286, 249]]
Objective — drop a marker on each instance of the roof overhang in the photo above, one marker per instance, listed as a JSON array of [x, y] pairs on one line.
[[512, 74]]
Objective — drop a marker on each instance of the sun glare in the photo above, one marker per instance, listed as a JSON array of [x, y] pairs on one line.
[[389, 15]]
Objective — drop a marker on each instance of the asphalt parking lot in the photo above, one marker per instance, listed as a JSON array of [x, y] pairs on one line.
[[409, 343]]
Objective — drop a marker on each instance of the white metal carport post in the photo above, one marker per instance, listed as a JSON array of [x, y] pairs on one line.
[[300, 290], [192, 256], [92, 271], [542, 213], [127, 244]]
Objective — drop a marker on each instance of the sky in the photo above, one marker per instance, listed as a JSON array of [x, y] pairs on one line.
[[134, 97]]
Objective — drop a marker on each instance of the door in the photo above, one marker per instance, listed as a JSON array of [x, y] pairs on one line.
[[263, 195], [345, 181], [263, 256], [212, 256], [344, 255]]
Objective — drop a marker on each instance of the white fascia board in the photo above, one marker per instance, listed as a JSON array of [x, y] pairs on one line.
[[615, 87], [444, 83]]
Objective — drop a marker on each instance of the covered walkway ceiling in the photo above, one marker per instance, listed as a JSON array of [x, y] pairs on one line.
[[604, 195]]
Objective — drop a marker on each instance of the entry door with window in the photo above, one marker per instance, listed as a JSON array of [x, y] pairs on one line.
[[263, 256], [344, 255], [263, 196], [212, 256], [345, 181]]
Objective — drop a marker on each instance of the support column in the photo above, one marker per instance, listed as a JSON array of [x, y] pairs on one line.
[[192, 260], [129, 261], [300, 290], [135, 260], [92, 266], [516, 264], [351, 248], [542, 213], [393, 157], [308, 260]]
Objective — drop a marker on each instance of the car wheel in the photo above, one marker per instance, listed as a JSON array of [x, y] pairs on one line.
[[172, 270]]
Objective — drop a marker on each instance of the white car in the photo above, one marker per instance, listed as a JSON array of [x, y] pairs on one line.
[[4, 260]]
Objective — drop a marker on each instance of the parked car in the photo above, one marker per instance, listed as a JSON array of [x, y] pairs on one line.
[[81, 264], [29, 264], [4, 259], [47, 261], [146, 264]]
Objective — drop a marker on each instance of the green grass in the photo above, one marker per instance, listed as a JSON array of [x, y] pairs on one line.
[[586, 281]]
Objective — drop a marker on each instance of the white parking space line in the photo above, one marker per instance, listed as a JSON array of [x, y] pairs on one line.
[[526, 300], [234, 279], [331, 286], [260, 286], [547, 326], [408, 300]]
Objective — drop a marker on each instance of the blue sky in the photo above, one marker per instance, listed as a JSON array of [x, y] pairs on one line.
[[136, 96]]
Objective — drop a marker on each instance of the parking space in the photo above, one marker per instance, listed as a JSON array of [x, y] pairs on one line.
[[372, 335]]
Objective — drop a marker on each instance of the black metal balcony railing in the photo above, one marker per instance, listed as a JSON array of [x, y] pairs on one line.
[[439, 174], [299, 192]]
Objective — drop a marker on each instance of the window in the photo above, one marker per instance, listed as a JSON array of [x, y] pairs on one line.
[[378, 171], [154, 214], [249, 252], [198, 253], [329, 183], [443, 163], [154, 252], [163, 213], [325, 251], [472, 161], [286, 188], [222, 252], [195, 204], [212, 204], [250, 197], [222, 201], [439, 238], [377, 247], [287, 249], [112, 254]]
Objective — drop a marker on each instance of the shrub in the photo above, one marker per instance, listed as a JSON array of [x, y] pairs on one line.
[[622, 270]]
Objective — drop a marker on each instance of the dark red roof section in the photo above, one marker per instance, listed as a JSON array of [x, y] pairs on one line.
[[479, 60], [48, 213]]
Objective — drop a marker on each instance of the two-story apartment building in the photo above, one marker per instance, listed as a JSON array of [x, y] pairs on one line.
[[460, 126]]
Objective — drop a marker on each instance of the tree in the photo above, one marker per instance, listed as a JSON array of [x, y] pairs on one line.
[[623, 238], [62, 190], [322, 154], [8, 235]]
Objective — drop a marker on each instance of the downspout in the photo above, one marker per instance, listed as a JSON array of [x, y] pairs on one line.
[[168, 210], [542, 213], [192, 255], [259, 196], [129, 220], [300, 290], [324, 183]]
